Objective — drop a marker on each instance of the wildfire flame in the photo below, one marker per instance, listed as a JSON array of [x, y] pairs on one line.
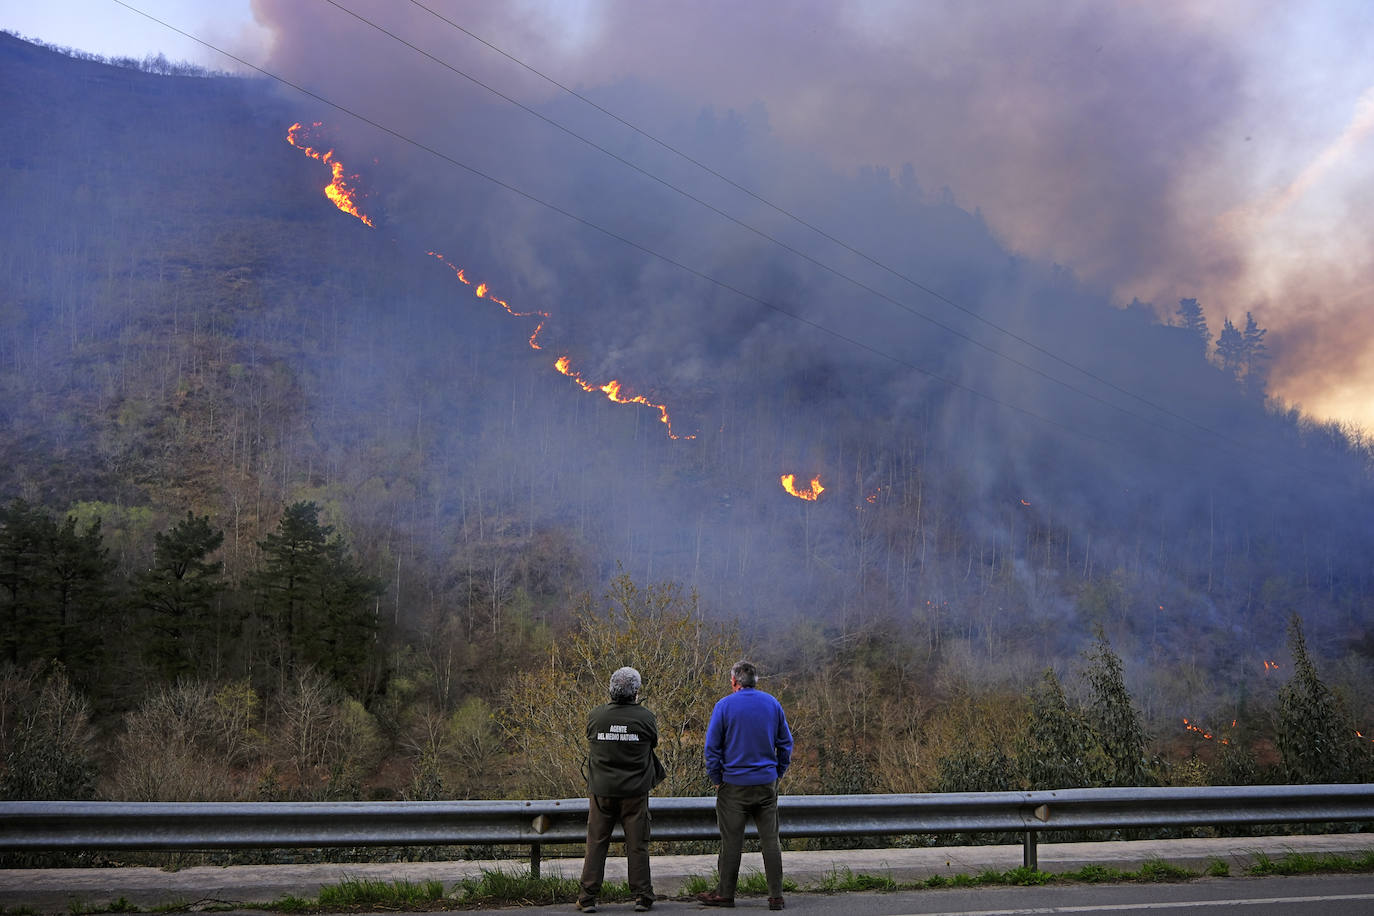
[[339, 190], [1270, 665], [811, 494], [612, 391], [344, 195], [1026, 503], [481, 291], [1204, 732]]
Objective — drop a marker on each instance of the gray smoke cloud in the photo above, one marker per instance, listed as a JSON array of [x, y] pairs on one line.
[[1158, 150]]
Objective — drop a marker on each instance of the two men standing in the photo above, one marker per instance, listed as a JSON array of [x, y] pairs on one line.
[[748, 749]]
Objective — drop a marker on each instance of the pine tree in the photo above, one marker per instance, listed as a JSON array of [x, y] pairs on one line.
[[54, 589], [1316, 736], [1193, 319], [20, 536], [73, 579], [1231, 349], [1114, 718], [318, 603], [179, 594], [1256, 357]]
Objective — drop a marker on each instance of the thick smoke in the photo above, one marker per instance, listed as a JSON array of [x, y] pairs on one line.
[[1133, 143], [970, 153]]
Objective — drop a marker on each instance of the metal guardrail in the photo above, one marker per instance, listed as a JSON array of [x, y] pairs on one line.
[[60, 825]]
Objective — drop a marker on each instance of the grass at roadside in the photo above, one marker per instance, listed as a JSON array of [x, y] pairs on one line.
[[363, 892], [1300, 863], [514, 887], [519, 888]]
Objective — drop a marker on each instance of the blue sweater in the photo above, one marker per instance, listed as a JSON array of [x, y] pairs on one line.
[[747, 741]]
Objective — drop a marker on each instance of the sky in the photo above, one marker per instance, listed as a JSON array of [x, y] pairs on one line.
[[1218, 150]]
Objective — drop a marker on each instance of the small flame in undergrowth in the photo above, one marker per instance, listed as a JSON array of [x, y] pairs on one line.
[[1026, 503], [1271, 665], [1193, 727], [811, 494], [481, 291], [340, 189], [612, 391]]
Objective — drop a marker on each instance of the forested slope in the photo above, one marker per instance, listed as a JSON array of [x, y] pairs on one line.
[[194, 342]]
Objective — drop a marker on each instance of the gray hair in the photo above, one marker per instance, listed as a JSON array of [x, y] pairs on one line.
[[625, 683], [744, 674]]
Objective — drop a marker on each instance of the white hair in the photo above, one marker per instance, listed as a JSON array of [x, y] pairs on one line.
[[625, 683]]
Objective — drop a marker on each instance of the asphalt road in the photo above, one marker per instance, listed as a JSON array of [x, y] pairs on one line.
[[1310, 895]]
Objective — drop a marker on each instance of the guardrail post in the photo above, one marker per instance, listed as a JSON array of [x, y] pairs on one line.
[[540, 824], [1029, 856]]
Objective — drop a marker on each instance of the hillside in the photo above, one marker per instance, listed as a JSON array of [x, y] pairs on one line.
[[187, 323]]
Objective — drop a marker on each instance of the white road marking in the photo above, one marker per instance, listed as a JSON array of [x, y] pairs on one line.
[[1180, 904]]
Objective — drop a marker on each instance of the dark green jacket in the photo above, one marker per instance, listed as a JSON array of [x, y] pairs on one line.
[[622, 738]]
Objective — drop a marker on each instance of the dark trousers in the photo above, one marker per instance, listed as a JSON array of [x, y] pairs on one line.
[[734, 806], [603, 814]]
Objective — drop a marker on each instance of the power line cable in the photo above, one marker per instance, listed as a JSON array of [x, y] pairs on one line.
[[392, 132], [1244, 447], [583, 221], [812, 227], [770, 238]]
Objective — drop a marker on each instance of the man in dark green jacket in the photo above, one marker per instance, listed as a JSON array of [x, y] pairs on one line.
[[620, 773]]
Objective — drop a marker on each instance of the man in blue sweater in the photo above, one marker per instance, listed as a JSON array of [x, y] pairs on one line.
[[748, 749]]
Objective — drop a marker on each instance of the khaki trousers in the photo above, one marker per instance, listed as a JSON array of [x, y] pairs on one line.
[[734, 806], [603, 813]]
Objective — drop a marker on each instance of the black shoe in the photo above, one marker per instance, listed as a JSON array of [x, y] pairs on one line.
[[643, 905], [711, 898], [775, 903], [588, 907]]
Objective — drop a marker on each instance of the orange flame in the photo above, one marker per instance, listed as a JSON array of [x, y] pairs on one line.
[[482, 291], [339, 190], [1026, 503], [1270, 665], [344, 196], [813, 493], [612, 391], [1202, 731]]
